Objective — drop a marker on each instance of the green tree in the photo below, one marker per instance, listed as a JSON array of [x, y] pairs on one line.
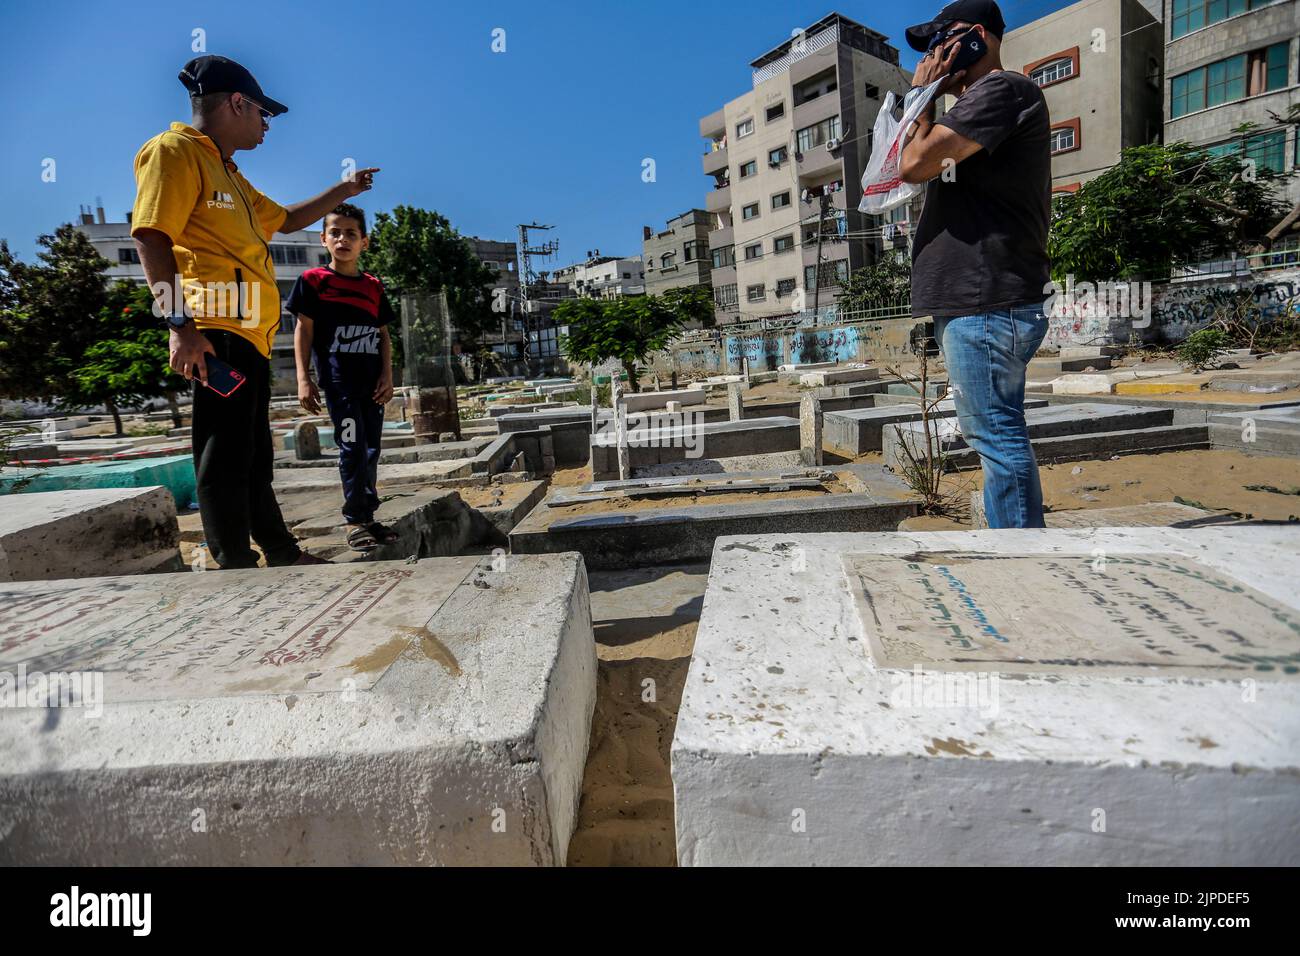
[[417, 252], [885, 283], [626, 329], [128, 363], [1159, 207], [49, 317], [692, 304]]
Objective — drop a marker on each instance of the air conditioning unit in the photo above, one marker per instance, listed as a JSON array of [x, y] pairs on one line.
[[832, 145]]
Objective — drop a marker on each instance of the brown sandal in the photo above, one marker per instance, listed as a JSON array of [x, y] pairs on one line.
[[362, 539]]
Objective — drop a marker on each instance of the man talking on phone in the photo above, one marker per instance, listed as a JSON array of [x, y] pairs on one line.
[[198, 223], [979, 256]]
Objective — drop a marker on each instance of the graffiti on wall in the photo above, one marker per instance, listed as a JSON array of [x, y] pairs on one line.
[[763, 351]]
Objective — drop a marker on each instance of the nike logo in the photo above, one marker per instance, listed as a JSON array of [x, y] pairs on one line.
[[356, 338]]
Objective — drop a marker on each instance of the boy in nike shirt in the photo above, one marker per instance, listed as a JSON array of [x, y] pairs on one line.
[[343, 318]]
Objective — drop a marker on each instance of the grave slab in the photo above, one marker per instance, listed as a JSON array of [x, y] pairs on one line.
[[1060, 697], [434, 713], [1064, 421], [1273, 431], [862, 430], [1151, 514], [641, 401], [838, 376], [79, 534], [684, 527], [682, 442]]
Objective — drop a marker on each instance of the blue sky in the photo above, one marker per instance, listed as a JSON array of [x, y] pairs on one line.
[[554, 129]]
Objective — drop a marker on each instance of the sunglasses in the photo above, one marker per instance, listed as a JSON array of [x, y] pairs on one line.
[[266, 114]]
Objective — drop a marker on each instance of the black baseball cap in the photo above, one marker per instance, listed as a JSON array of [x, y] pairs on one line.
[[218, 74], [983, 12]]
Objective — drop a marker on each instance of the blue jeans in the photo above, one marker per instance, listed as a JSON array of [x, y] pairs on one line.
[[986, 357], [358, 433]]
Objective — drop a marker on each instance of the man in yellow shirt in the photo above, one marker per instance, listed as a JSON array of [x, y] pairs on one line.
[[202, 231]]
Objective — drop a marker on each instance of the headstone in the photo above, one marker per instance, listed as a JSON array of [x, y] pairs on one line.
[[810, 430], [1109, 696], [87, 533], [430, 713], [673, 407], [306, 441], [736, 401]]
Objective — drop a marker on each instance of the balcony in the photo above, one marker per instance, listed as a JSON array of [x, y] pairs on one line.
[[718, 200], [725, 236], [819, 161], [715, 161], [715, 124], [814, 111]]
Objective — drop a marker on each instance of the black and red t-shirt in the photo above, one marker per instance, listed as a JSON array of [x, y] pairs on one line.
[[347, 313]]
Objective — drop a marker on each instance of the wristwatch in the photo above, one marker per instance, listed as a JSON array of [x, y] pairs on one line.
[[177, 320]]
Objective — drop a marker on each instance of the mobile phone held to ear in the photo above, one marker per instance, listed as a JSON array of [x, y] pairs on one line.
[[972, 48], [222, 378]]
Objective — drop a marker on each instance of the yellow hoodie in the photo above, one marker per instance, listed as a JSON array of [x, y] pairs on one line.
[[219, 226]]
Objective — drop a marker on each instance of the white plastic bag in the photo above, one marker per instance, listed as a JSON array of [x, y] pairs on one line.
[[882, 187]]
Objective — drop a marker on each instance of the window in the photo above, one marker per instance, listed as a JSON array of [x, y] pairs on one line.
[[694, 250], [725, 297], [781, 200], [1059, 69], [1234, 78], [749, 169], [1225, 80], [724, 256], [283, 255], [668, 260], [1189, 15], [819, 134], [1265, 149], [829, 273], [784, 287], [754, 252], [128, 255], [775, 112], [628, 275], [744, 128], [783, 243], [755, 293], [1063, 139], [1274, 62], [873, 93], [750, 211], [777, 156], [1153, 72]]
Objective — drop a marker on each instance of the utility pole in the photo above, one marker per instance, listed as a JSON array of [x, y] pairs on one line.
[[526, 273], [817, 269]]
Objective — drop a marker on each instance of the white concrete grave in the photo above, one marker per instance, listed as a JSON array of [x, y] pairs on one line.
[[435, 712], [87, 533], [1114, 696]]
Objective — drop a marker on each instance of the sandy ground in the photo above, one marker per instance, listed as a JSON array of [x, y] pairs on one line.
[[645, 622], [1216, 480]]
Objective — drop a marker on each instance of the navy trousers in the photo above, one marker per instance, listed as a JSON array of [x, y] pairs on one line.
[[358, 428]]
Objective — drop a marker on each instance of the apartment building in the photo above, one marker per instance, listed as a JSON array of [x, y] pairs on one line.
[[292, 254], [1099, 64], [786, 160], [603, 277], [678, 257], [1230, 62]]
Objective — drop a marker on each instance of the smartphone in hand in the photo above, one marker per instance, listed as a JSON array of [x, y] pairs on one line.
[[222, 378], [972, 49]]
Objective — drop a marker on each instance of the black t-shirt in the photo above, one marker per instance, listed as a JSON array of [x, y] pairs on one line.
[[347, 313], [981, 243]]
